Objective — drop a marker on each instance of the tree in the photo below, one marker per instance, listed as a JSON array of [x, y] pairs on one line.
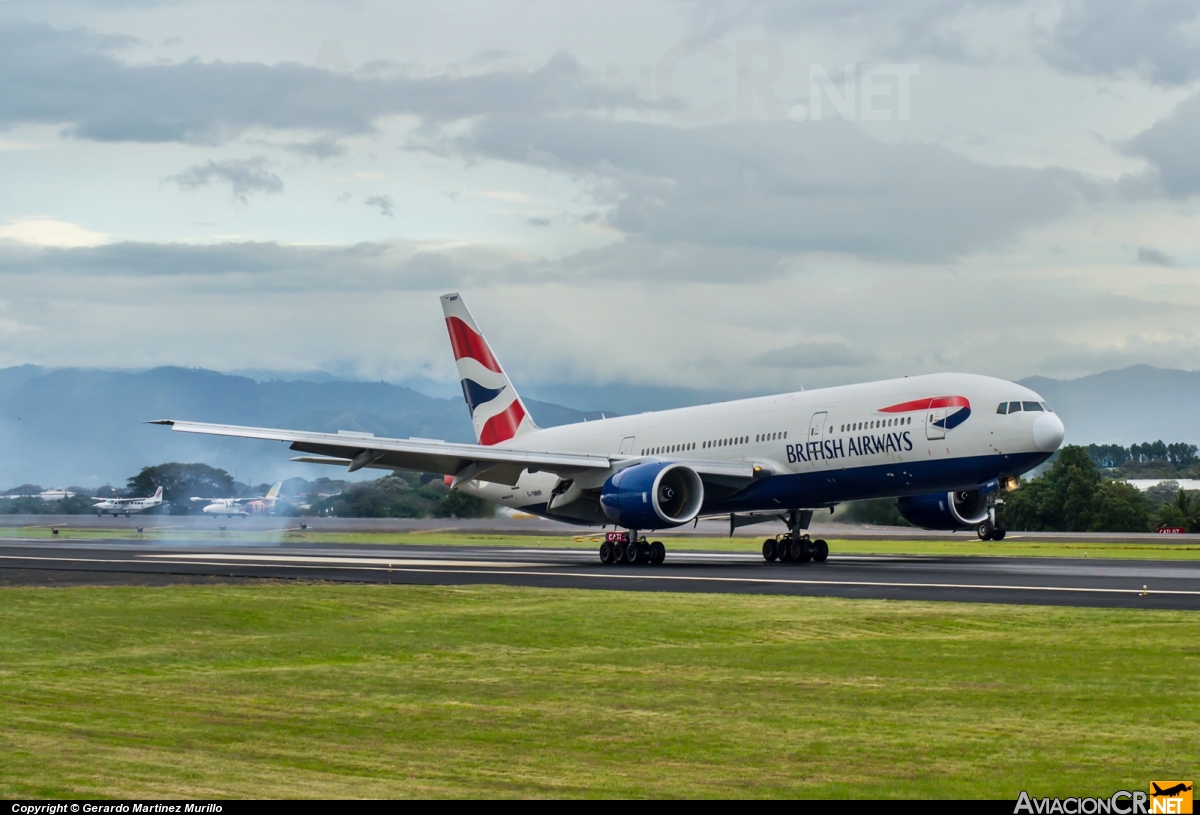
[[1183, 510], [461, 505], [1073, 497], [1119, 507], [180, 482]]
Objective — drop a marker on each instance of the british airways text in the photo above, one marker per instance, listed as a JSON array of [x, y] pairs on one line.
[[855, 446]]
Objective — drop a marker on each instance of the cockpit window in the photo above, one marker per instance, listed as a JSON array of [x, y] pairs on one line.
[[1013, 407], [1046, 407], [1003, 408], [1033, 406]]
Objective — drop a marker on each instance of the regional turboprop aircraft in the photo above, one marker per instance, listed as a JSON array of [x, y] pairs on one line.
[[242, 506], [127, 506], [946, 445]]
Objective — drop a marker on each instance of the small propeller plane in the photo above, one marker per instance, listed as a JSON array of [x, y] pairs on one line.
[[128, 506], [243, 506]]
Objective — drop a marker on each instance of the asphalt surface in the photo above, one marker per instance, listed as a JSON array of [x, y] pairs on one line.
[[528, 525], [1044, 581]]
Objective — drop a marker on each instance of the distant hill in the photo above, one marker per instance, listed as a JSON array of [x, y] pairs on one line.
[[67, 426], [1132, 405], [87, 427]]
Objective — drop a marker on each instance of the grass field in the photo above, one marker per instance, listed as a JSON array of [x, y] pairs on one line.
[[966, 545], [318, 690]]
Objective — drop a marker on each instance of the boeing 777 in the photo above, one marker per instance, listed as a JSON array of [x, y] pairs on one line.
[[946, 445], [127, 506]]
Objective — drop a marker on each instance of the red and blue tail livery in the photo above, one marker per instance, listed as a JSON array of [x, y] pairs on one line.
[[497, 412]]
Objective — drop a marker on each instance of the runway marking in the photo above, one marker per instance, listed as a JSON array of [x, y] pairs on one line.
[[366, 561], [645, 576]]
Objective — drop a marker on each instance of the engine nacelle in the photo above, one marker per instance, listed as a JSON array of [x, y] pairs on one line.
[[654, 495], [961, 509]]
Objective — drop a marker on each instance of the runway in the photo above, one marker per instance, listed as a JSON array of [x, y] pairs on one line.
[[529, 525], [1047, 581]]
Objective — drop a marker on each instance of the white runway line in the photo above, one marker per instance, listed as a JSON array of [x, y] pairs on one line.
[[619, 575], [362, 561]]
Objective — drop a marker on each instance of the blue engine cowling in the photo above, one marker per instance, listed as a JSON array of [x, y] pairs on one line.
[[654, 495], [961, 509]]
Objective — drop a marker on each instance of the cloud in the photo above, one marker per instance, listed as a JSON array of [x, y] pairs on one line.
[[901, 30], [1155, 257], [786, 186], [538, 221], [72, 77], [243, 176], [49, 232], [322, 148], [1172, 147], [369, 266], [811, 355], [1155, 39], [384, 202]]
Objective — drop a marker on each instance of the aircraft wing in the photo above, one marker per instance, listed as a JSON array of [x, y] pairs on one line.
[[358, 450]]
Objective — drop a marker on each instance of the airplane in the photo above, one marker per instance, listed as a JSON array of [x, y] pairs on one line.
[[1170, 792], [126, 506], [933, 441], [242, 506]]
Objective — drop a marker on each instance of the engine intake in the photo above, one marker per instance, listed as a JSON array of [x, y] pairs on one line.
[[654, 495], [961, 509]]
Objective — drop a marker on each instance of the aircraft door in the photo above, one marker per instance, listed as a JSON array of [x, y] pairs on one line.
[[816, 430], [627, 445], [935, 423]]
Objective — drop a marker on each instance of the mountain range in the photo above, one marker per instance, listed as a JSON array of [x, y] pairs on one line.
[[72, 426]]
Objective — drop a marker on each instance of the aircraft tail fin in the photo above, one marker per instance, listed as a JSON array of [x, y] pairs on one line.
[[1157, 789], [274, 491], [158, 493], [497, 412]]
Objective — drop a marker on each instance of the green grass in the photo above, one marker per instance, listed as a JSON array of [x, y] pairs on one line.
[[966, 545], [317, 690]]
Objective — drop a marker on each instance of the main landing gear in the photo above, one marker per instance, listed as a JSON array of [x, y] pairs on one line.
[[627, 548], [795, 546], [992, 528]]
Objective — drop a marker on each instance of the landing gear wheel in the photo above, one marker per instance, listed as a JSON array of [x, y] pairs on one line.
[[606, 553], [999, 532], [985, 531], [635, 553], [618, 551], [769, 550], [658, 553], [800, 551], [783, 551], [820, 551]]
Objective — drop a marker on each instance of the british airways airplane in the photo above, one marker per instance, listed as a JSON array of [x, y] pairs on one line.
[[945, 445]]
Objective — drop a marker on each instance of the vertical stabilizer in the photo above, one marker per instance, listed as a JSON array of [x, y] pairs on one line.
[[496, 410], [158, 493], [274, 491]]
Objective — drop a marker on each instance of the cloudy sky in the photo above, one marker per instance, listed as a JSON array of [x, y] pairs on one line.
[[736, 196]]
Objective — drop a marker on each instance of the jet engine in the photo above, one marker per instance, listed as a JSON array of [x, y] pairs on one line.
[[654, 495], [961, 509]]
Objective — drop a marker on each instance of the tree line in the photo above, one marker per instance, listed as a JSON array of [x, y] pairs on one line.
[[1149, 459], [398, 495], [1074, 495]]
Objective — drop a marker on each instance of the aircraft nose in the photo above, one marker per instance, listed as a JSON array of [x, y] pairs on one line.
[[1048, 432]]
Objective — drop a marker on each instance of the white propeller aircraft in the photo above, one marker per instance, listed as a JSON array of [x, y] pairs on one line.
[[242, 506], [946, 445], [127, 506]]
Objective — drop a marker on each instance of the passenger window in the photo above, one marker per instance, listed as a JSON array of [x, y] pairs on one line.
[[1032, 406], [1014, 407], [1003, 408]]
